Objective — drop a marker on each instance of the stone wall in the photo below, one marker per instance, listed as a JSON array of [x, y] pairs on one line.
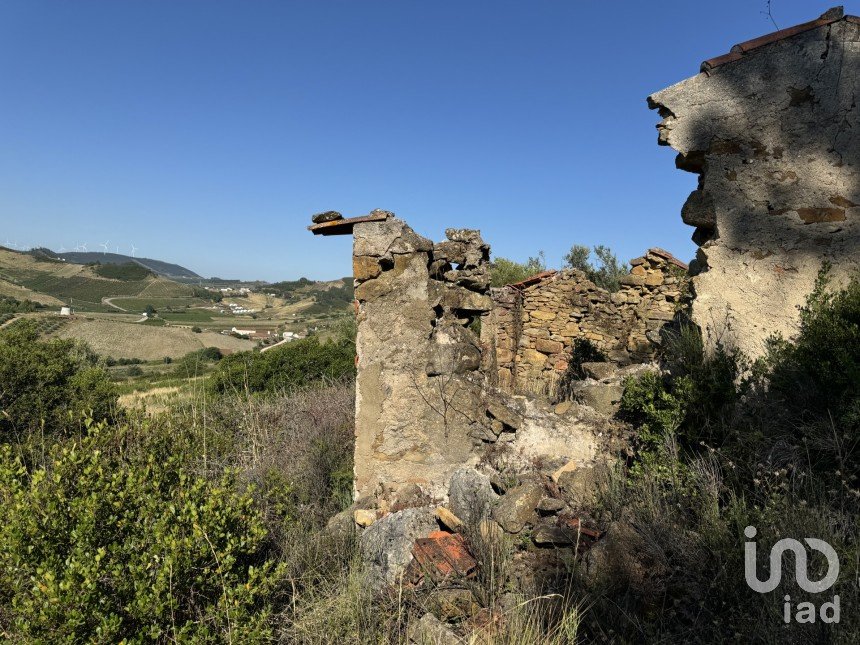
[[424, 408], [528, 337], [772, 130]]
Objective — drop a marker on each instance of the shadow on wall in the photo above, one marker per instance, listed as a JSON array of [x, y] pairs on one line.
[[773, 135]]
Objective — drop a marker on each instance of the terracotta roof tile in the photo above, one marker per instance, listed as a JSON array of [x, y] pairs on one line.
[[538, 277], [442, 555], [737, 52]]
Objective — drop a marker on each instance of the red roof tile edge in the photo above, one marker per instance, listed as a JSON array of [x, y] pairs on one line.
[[737, 52], [538, 277]]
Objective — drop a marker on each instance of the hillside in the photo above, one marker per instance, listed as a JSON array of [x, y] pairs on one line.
[[158, 267], [50, 281]]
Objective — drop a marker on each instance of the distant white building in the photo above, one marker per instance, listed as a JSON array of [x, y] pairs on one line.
[[65, 311]]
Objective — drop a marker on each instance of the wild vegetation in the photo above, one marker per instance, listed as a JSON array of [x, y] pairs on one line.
[[299, 363], [207, 522], [9, 305], [724, 444], [47, 383], [607, 273], [504, 271]]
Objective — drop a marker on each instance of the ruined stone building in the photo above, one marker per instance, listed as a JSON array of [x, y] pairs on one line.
[[772, 130], [447, 416], [437, 407], [529, 335], [423, 406], [428, 401]]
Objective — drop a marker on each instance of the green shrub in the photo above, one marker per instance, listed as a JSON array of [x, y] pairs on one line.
[[45, 381], [695, 402], [652, 408], [130, 544], [812, 384], [296, 364], [504, 271], [10, 305]]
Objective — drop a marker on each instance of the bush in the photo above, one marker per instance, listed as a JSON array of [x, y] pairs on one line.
[[130, 544], [504, 271], [697, 399], [672, 567], [196, 330], [296, 364], [724, 445], [813, 382], [45, 381], [10, 305]]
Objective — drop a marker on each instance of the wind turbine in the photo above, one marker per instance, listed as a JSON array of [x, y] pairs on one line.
[[133, 250], [105, 246], [62, 249], [84, 247]]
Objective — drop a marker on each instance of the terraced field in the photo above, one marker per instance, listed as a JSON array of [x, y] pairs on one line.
[[19, 292], [26, 277], [46, 324], [132, 340]]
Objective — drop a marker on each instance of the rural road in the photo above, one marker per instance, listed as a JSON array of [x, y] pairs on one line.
[[109, 303]]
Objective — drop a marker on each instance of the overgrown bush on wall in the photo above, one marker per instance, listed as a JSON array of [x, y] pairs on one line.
[[608, 271], [813, 382]]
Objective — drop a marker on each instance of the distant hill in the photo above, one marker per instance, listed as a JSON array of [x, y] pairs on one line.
[[158, 267], [46, 278]]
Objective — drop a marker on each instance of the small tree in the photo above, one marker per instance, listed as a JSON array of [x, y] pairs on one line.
[[607, 274], [577, 258]]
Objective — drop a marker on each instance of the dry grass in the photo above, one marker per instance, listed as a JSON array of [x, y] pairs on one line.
[[155, 400], [130, 340]]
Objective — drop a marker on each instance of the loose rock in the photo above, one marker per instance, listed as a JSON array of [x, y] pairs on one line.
[[327, 216]]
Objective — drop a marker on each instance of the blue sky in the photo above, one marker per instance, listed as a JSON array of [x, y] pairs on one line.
[[207, 132]]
